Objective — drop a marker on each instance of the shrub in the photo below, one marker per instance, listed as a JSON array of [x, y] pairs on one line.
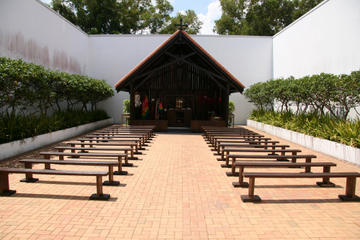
[[325, 93], [126, 106], [323, 126], [24, 126], [27, 87]]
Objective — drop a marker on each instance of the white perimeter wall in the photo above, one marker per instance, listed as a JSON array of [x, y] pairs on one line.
[[247, 58], [326, 39], [33, 32]]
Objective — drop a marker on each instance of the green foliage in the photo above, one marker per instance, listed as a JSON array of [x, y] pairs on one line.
[[190, 18], [126, 106], [128, 16], [24, 126], [231, 107], [324, 93], [260, 17], [30, 87], [323, 126]]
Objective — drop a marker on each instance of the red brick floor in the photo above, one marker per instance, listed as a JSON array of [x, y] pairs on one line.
[[179, 191]]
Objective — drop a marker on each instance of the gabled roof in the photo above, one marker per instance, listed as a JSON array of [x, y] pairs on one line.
[[216, 68]]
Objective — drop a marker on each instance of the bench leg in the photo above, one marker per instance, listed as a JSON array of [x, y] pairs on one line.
[[350, 190], [227, 161], [222, 155], [251, 197], [99, 195], [132, 154], [241, 182], [326, 180], [127, 164], [29, 176], [4, 185], [120, 171], [111, 181], [137, 150], [233, 172]]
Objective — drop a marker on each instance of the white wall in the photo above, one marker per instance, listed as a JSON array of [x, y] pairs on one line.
[[247, 58], [30, 30], [113, 56], [326, 39], [33, 32]]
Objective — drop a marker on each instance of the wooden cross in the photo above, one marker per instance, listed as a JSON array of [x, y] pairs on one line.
[[181, 26]]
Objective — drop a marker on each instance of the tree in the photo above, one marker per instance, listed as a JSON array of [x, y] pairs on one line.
[[189, 18], [126, 16], [92, 16], [260, 17], [159, 15]]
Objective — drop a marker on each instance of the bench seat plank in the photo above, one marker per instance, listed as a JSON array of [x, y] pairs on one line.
[[119, 156], [29, 162], [301, 175], [349, 191], [4, 179], [242, 165]]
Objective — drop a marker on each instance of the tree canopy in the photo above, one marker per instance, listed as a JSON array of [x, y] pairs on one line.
[[260, 17], [125, 16]]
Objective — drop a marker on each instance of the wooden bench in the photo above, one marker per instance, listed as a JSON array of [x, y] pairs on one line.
[[349, 191], [130, 140], [141, 137], [133, 146], [242, 165], [259, 141], [119, 156], [223, 144], [110, 164], [213, 138], [293, 158], [87, 149], [147, 134], [255, 146], [272, 152], [208, 135], [5, 188]]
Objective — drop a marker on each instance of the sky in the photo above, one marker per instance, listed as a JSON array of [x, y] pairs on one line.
[[207, 10]]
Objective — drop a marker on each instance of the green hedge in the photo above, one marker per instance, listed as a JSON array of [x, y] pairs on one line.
[[323, 126], [27, 87], [321, 93], [29, 93], [22, 126]]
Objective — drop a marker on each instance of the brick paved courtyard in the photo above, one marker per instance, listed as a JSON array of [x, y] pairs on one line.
[[179, 191]]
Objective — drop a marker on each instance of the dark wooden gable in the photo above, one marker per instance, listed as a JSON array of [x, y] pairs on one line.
[[181, 57]]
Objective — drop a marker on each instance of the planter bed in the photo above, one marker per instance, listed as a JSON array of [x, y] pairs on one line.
[[338, 150], [14, 148]]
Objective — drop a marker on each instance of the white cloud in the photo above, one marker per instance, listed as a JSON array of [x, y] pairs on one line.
[[214, 12]]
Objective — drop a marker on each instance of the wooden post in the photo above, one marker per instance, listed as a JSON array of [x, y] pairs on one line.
[[226, 99], [28, 176], [241, 177], [251, 187], [308, 168], [132, 103], [111, 174], [4, 182], [99, 188], [350, 187], [233, 165], [120, 164], [326, 169]]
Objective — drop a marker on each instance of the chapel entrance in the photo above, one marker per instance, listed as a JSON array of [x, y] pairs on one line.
[[179, 85]]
